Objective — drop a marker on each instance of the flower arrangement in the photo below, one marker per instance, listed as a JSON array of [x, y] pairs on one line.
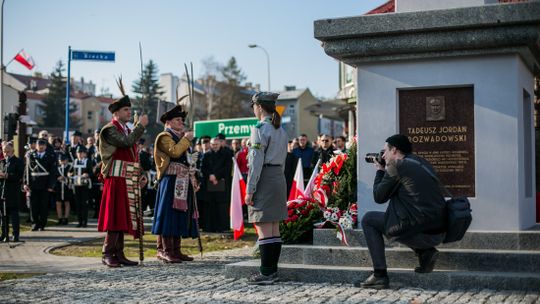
[[333, 201], [298, 227]]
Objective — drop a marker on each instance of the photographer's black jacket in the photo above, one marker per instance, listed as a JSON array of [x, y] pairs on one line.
[[407, 183]]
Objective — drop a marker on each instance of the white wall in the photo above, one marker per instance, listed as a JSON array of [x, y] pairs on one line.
[[427, 5], [498, 85]]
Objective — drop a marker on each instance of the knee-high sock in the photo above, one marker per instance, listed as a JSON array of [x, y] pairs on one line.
[[270, 249], [276, 253]]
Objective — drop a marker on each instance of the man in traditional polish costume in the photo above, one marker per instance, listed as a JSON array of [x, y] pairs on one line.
[[175, 215], [120, 170]]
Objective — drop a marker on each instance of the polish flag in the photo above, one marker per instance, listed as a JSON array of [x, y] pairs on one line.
[[297, 188], [238, 192], [311, 184], [24, 59]]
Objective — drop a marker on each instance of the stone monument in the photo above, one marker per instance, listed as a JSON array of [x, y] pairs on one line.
[[459, 82]]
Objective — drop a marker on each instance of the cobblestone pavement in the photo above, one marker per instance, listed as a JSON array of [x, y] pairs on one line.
[[202, 281]]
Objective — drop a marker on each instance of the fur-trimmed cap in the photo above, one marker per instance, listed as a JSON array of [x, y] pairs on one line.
[[177, 111], [122, 101]]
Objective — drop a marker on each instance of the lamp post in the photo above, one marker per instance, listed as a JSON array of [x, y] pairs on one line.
[[267, 61], [2, 70]]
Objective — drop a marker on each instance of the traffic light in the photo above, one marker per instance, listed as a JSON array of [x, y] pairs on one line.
[[11, 119]]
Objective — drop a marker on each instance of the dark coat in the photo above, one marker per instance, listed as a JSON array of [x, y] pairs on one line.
[[49, 163], [290, 167], [13, 183], [412, 191]]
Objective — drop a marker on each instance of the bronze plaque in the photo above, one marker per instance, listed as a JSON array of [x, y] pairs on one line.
[[440, 125]]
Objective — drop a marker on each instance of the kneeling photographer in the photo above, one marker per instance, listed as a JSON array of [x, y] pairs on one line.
[[415, 215]]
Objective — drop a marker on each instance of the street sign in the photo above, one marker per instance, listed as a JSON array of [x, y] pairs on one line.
[[232, 128], [92, 55]]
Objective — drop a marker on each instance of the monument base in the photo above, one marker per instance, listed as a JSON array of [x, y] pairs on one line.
[[492, 260]]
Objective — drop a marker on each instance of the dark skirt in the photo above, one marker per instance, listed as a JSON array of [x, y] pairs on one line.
[[169, 221]]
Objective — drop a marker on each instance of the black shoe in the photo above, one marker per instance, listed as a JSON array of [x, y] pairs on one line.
[[35, 228], [427, 259], [79, 225], [65, 221], [373, 282], [261, 279], [16, 239], [2, 238], [84, 225], [41, 228]]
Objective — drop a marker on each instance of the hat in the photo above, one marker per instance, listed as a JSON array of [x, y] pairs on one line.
[[77, 133], [41, 142], [401, 142], [177, 111], [63, 156], [32, 139], [265, 97], [122, 101], [221, 136], [81, 149], [141, 141], [97, 130]]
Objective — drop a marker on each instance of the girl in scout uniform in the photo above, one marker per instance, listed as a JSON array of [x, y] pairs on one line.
[[266, 193]]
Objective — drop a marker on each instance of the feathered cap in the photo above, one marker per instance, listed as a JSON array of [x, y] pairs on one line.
[[122, 101], [177, 111]]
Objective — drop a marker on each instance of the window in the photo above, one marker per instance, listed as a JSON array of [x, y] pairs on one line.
[[89, 115]]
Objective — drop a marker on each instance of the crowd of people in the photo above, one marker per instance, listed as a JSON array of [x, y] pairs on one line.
[[65, 176]]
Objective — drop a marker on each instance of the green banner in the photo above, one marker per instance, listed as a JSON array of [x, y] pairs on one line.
[[232, 128]]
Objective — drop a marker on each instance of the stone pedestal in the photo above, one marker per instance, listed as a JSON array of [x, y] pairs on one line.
[[407, 62]]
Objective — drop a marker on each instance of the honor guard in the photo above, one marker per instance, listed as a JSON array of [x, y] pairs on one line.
[[41, 168], [11, 174], [63, 190], [120, 170], [81, 174], [266, 193], [71, 149]]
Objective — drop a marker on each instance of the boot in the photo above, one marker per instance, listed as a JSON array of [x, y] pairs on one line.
[[168, 250], [120, 252], [109, 247], [178, 250], [159, 243]]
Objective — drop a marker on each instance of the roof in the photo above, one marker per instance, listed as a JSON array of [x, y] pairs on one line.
[[105, 99], [292, 94], [385, 8], [39, 82]]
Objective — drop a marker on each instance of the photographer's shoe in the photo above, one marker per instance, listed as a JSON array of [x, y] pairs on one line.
[[427, 259], [261, 279], [374, 282]]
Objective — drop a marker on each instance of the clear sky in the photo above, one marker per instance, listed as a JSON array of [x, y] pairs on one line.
[[175, 32]]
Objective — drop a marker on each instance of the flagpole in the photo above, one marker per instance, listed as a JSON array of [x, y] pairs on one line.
[[67, 94]]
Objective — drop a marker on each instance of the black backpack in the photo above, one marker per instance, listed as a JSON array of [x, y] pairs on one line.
[[459, 218], [458, 211]]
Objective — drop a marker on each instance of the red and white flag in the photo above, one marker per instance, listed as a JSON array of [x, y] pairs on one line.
[[297, 187], [308, 193], [24, 59], [238, 192]]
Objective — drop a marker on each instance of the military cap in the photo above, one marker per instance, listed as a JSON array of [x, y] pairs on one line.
[[41, 142], [221, 136], [81, 149], [141, 141], [177, 111], [77, 133], [264, 97], [32, 139]]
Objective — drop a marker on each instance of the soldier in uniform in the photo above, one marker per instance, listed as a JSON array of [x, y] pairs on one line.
[[11, 182], [71, 149], [42, 177], [174, 215], [118, 150], [82, 173], [266, 193], [63, 190]]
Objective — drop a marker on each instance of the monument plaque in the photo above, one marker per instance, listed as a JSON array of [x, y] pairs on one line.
[[440, 124]]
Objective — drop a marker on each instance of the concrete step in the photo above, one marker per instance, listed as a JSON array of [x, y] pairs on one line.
[[398, 277], [509, 240], [449, 259]]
